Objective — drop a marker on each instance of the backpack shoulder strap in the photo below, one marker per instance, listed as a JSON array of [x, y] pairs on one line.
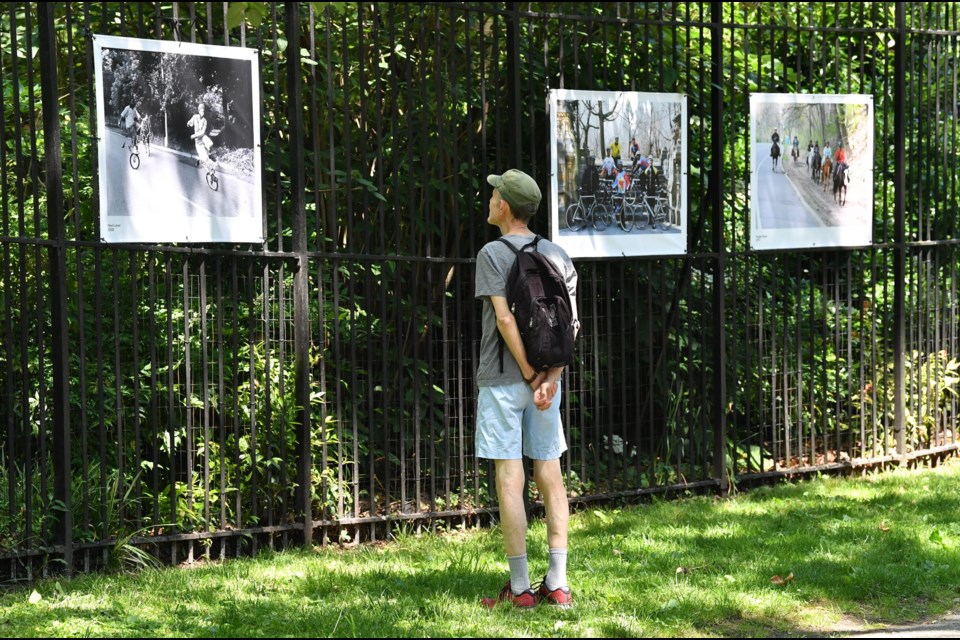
[[532, 243], [500, 342], [509, 244]]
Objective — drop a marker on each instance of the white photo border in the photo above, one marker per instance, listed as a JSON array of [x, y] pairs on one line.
[[848, 236], [176, 229], [593, 244]]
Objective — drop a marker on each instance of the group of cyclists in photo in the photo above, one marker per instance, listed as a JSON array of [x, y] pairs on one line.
[[137, 129], [827, 166], [634, 195]]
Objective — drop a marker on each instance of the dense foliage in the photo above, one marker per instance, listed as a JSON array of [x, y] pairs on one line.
[[182, 385]]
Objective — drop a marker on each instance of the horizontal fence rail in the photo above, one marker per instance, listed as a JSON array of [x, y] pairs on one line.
[[215, 399]]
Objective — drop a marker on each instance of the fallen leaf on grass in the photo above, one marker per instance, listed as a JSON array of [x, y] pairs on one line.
[[884, 526], [777, 580]]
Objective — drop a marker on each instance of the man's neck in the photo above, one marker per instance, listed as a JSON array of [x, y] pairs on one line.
[[515, 228]]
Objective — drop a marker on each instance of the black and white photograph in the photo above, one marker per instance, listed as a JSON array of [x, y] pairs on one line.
[[811, 171], [619, 179], [179, 141]]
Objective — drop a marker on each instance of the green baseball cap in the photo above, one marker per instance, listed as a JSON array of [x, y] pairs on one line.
[[518, 189]]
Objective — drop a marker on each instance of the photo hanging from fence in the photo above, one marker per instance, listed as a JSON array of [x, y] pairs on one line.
[[619, 180], [179, 141], [812, 171]]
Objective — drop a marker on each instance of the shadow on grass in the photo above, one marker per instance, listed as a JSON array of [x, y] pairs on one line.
[[700, 566], [883, 555]]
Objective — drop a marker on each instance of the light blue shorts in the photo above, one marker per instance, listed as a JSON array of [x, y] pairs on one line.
[[509, 426]]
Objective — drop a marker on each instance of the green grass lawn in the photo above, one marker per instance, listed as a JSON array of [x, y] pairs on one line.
[[883, 548]]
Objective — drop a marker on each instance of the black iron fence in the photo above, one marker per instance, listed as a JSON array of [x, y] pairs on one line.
[[213, 399]]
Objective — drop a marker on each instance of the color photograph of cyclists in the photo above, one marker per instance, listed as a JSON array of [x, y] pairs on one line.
[[179, 141], [619, 176], [811, 171]]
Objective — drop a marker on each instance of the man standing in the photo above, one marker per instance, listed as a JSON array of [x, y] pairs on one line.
[[615, 148], [518, 408], [609, 167]]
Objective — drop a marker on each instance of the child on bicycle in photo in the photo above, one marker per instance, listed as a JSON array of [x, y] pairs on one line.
[[199, 136], [128, 122]]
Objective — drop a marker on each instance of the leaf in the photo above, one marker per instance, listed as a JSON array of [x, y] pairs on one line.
[[35, 597], [777, 580], [235, 14], [256, 12], [884, 526], [935, 538]]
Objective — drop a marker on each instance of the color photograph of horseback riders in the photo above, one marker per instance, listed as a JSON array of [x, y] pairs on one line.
[[811, 179], [618, 185]]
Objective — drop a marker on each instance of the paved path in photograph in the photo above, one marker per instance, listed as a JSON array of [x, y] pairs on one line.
[[857, 209], [779, 204], [167, 182]]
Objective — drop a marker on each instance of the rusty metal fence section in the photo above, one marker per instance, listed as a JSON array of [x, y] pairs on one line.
[[216, 399]]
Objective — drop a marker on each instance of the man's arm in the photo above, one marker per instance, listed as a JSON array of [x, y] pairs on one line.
[[507, 326]]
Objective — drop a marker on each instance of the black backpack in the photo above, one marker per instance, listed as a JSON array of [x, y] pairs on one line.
[[538, 298]]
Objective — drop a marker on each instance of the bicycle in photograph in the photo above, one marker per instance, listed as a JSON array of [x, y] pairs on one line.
[[656, 207], [134, 150], [626, 209], [210, 168], [210, 165], [590, 209], [645, 202]]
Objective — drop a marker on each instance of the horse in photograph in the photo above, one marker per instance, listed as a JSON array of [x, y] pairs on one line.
[[815, 167], [826, 170], [775, 155], [841, 178], [795, 152]]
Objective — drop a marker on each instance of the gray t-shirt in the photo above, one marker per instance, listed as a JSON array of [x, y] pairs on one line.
[[493, 268]]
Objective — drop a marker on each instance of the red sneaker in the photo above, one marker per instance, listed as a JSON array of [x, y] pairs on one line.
[[559, 597], [525, 600]]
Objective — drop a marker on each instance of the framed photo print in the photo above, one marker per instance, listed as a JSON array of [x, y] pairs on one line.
[[178, 128], [811, 182], [619, 179]]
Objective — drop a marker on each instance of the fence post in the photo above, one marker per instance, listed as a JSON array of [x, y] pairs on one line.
[[513, 84], [715, 195], [58, 282], [301, 279], [899, 225]]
